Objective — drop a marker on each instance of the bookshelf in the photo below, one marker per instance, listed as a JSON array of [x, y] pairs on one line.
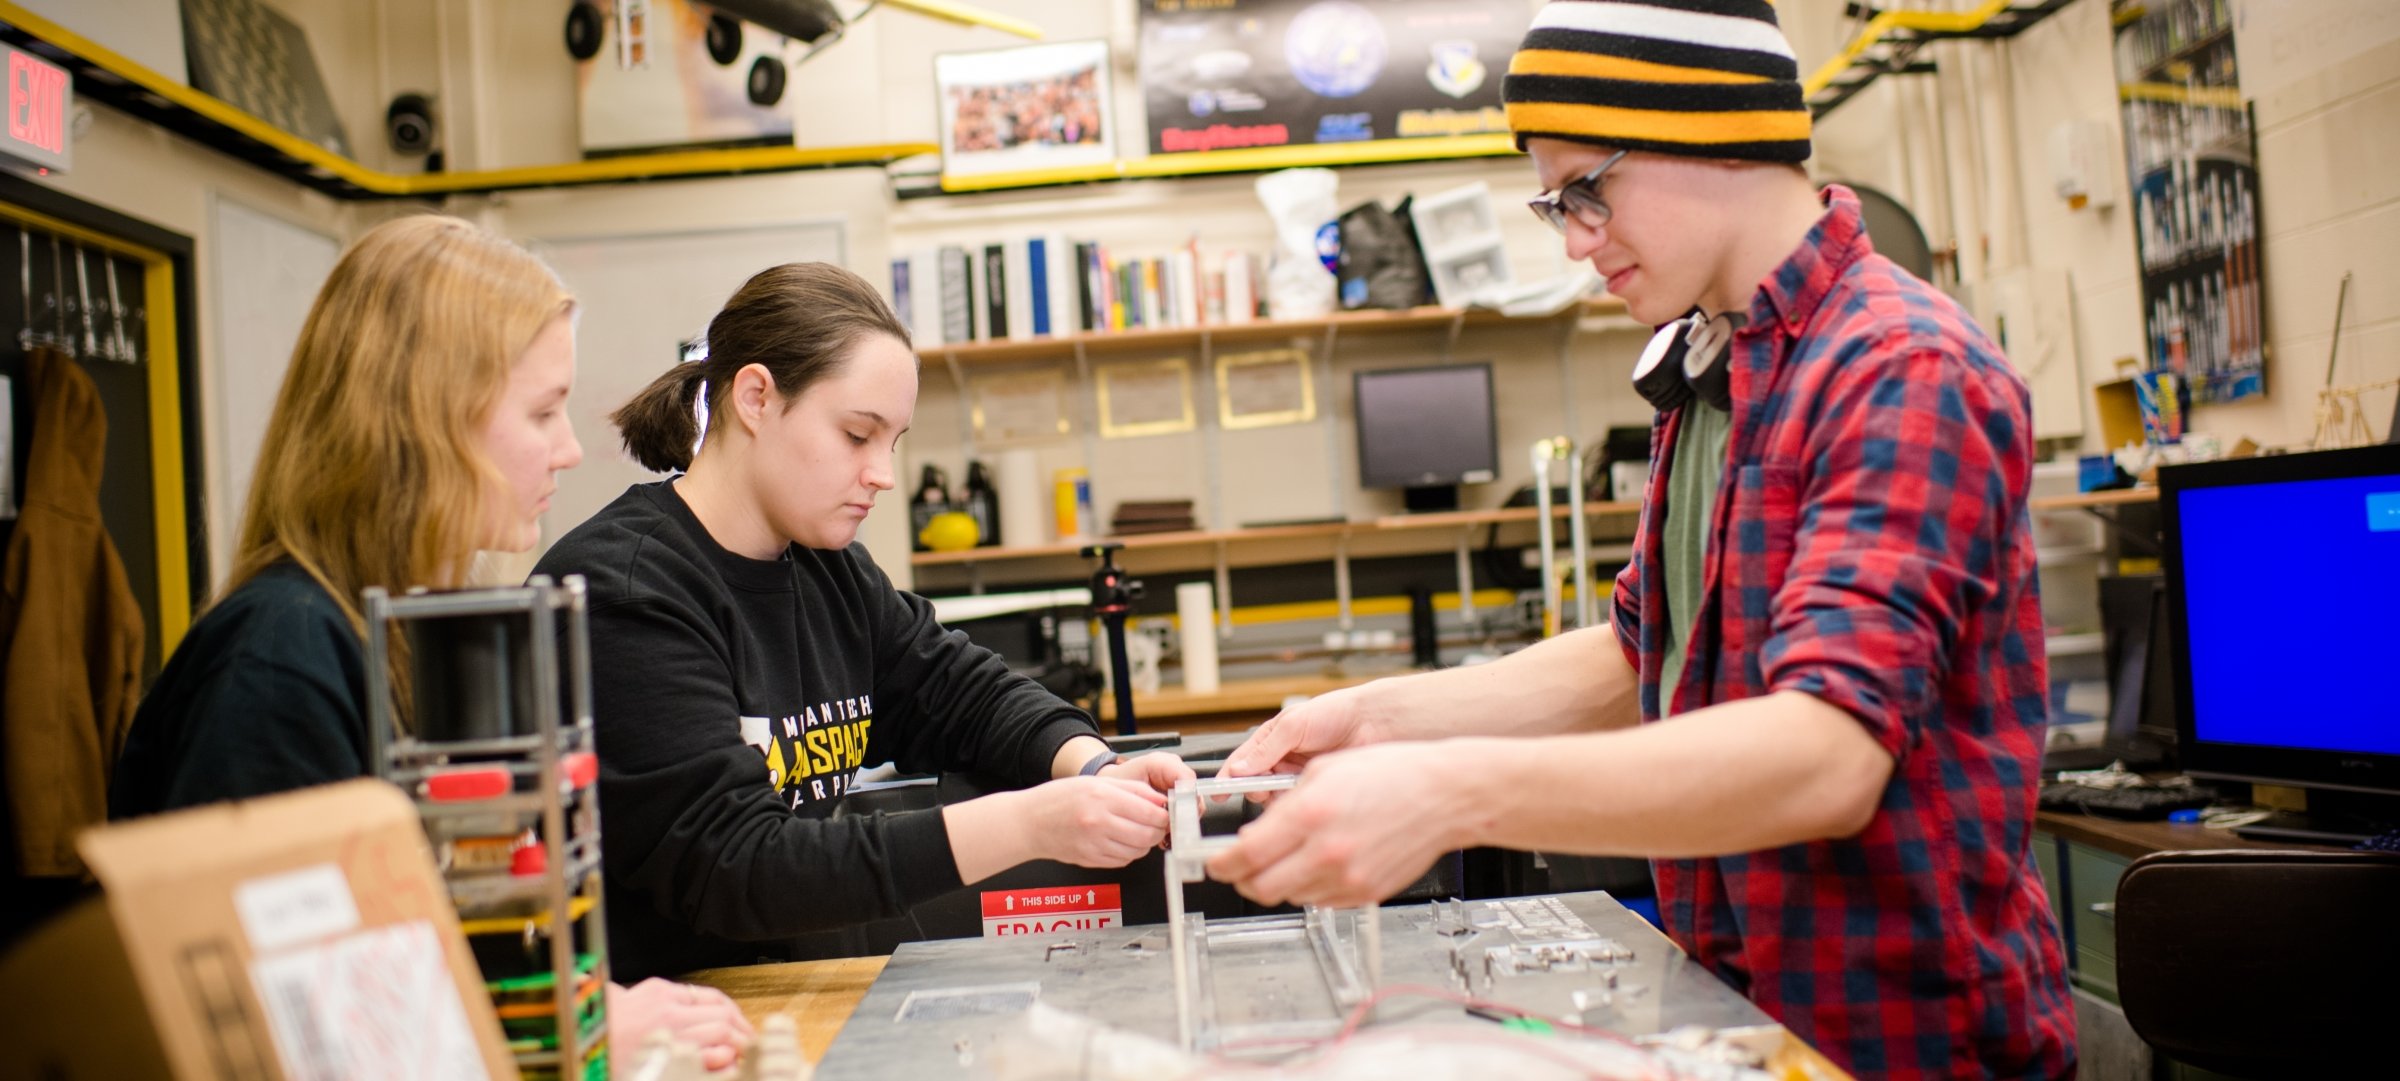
[[1419, 320], [1389, 535]]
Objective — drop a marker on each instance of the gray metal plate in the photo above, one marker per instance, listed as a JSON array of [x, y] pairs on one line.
[[1123, 977]]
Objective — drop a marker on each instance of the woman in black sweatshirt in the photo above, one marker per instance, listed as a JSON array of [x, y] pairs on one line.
[[748, 657]]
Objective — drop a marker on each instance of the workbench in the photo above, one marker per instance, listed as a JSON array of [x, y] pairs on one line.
[[823, 996]]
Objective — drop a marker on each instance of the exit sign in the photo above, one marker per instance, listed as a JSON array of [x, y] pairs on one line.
[[41, 99]]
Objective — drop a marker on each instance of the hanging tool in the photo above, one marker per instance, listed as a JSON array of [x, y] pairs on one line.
[[25, 334], [120, 347], [53, 303], [90, 342]]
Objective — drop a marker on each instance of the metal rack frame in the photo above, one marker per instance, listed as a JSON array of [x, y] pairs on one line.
[[450, 781]]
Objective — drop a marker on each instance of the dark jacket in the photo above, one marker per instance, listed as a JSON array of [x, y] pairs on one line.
[[70, 629]]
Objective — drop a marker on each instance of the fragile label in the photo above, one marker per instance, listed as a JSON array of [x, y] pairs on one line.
[[376, 1004], [1051, 909]]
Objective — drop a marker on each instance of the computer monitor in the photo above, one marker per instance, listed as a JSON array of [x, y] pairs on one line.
[[1427, 430], [2283, 588]]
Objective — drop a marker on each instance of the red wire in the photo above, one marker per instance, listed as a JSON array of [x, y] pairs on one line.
[[1358, 1015]]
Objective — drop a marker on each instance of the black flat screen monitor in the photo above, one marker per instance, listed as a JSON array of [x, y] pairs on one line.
[[2283, 588], [1427, 430]]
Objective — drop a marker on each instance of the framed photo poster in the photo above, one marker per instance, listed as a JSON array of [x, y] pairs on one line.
[[1030, 107]]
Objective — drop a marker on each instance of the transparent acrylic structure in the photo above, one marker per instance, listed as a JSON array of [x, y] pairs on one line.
[[1303, 974]]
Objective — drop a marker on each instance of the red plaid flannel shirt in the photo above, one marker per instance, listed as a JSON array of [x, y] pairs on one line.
[[1870, 547]]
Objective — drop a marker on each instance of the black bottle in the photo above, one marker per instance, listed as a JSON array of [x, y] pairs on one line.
[[932, 498], [983, 504]]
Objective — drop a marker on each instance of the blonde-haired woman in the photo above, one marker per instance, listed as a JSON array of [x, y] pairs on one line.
[[423, 418]]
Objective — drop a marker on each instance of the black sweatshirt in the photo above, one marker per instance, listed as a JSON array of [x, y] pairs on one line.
[[266, 694], [734, 698]]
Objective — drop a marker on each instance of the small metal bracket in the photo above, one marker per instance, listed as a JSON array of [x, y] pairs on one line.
[[1347, 942]]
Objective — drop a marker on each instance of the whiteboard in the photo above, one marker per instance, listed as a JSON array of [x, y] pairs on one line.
[[640, 298], [264, 275]]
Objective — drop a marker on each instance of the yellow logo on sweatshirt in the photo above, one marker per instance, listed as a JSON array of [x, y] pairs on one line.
[[812, 755]]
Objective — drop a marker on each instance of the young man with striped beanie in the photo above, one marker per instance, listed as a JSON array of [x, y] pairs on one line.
[[1831, 603]]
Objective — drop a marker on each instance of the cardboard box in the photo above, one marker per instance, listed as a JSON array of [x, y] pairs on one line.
[[300, 937]]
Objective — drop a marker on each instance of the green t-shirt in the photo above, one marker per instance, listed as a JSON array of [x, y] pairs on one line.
[[1691, 503]]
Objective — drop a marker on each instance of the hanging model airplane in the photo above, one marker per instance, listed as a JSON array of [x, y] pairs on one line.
[[815, 23]]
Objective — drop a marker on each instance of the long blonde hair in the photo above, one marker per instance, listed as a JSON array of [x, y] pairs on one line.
[[371, 473]]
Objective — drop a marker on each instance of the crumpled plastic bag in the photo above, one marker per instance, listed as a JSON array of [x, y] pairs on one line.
[[1301, 203]]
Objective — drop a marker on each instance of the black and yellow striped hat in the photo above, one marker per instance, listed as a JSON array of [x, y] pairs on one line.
[[1702, 78]]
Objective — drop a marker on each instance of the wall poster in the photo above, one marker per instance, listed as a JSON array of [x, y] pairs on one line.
[[2190, 156], [1225, 74]]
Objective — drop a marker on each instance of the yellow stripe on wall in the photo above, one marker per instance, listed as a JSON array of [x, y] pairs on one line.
[[1595, 66]]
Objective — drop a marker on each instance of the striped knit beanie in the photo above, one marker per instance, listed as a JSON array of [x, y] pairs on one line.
[[1703, 78]]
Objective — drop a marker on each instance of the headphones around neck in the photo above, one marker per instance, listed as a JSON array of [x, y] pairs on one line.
[[1686, 359]]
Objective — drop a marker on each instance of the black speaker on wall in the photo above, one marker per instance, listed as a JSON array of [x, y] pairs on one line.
[[585, 29], [408, 123]]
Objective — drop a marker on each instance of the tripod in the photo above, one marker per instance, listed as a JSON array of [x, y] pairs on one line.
[[1113, 595]]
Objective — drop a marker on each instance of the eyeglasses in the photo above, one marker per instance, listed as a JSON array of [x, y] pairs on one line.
[[1578, 198]]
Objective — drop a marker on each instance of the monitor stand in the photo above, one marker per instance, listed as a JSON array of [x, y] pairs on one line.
[[1430, 498], [2140, 753], [2332, 817], [2311, 829]]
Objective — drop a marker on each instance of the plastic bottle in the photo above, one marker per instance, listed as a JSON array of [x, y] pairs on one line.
[[982, 499], [932, 497]]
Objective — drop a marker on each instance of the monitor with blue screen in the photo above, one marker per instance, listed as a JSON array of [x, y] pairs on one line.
[[2283, 584]]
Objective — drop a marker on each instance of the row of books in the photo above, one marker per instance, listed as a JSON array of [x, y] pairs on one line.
[[1156, 516], [1044, 286]]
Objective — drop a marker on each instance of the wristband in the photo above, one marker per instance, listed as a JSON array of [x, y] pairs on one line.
[[1099, 762]]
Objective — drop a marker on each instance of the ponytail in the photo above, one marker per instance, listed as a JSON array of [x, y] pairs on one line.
[[661, 424], [798, 320]]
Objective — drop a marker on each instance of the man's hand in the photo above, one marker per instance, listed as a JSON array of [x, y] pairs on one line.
[[1359, 827], [1292, 739], [1158, 769]]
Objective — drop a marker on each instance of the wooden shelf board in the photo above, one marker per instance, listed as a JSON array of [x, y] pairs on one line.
[[1009, 350], [1448, 519], [1231, 696], [1202, 537], [2113, 498]]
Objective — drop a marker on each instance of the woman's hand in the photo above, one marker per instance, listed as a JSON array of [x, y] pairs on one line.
[[1158, 769], [701, 1016], [1094, 821]]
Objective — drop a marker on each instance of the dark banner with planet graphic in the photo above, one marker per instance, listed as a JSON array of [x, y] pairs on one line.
[[1224, 74]]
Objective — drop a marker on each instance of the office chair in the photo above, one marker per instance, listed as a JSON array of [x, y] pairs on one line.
[[2262, 963]]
